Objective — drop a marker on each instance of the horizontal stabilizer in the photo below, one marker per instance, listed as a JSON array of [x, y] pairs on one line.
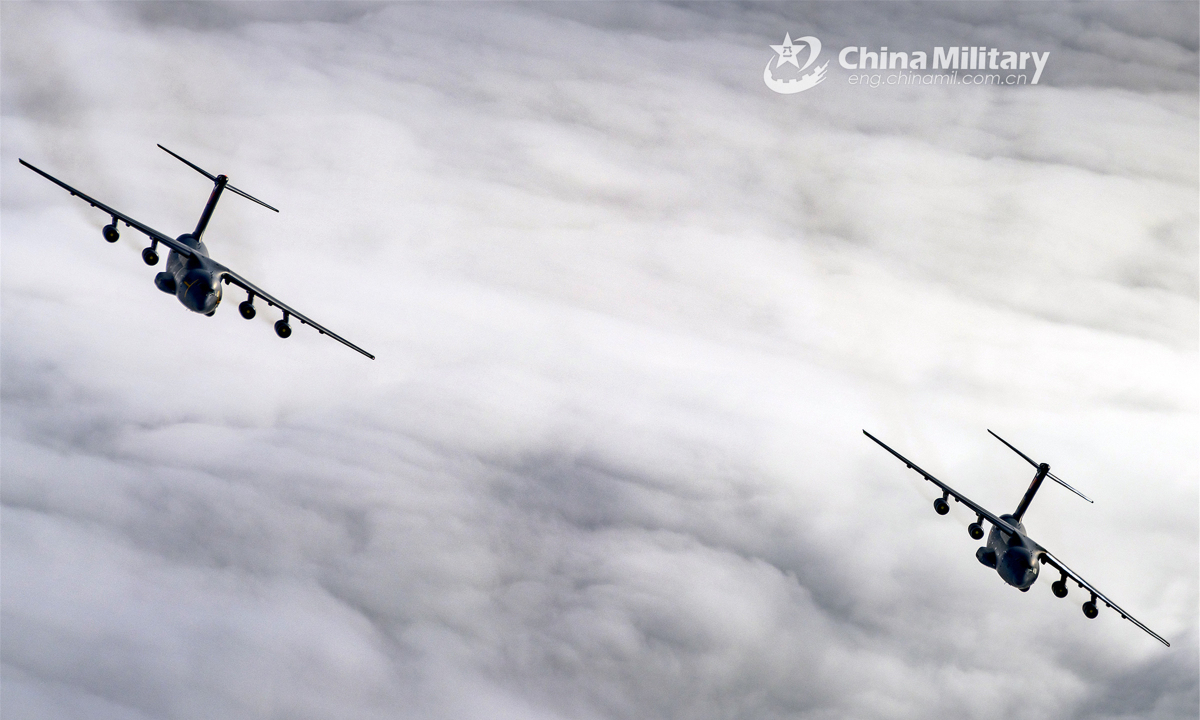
[[1031, 462], [1010, 447], [1060, 482], [249, 197], [212, 177]]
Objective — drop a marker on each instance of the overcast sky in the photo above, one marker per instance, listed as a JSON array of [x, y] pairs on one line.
[[632, 310]]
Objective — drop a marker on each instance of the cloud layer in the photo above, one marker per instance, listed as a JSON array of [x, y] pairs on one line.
[[631, 311]]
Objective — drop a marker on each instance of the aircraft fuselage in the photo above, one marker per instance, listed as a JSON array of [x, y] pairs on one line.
[[194, 281], [1013, 555]]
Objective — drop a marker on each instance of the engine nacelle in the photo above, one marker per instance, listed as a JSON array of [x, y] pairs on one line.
[[165, 281], [110, 233]]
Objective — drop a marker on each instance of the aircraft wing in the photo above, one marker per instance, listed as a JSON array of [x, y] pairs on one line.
[[975, 507], [1054, 562], [170, 242], [232, 277]]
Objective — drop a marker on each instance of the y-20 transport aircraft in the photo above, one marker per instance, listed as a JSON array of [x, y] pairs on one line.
[[1009, 550], [191, 275]]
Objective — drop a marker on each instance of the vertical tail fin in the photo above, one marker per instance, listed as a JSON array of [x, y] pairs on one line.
[[1042, 471]]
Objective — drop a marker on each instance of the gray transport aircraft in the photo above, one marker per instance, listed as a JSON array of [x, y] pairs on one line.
[[1012, 553], [191, 275]]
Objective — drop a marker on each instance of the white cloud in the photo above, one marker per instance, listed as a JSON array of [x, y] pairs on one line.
[[631, 311]]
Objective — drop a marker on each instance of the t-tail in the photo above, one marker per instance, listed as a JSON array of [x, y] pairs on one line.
[[220, 183], [1043, 472]]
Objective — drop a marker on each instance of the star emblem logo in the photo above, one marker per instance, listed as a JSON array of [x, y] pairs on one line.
[[787, 51]]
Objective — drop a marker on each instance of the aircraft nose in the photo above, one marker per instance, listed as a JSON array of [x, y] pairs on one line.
[[197, 292], [1016, 566]]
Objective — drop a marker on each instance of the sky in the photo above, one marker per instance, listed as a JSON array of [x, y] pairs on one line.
[[631, 311]]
